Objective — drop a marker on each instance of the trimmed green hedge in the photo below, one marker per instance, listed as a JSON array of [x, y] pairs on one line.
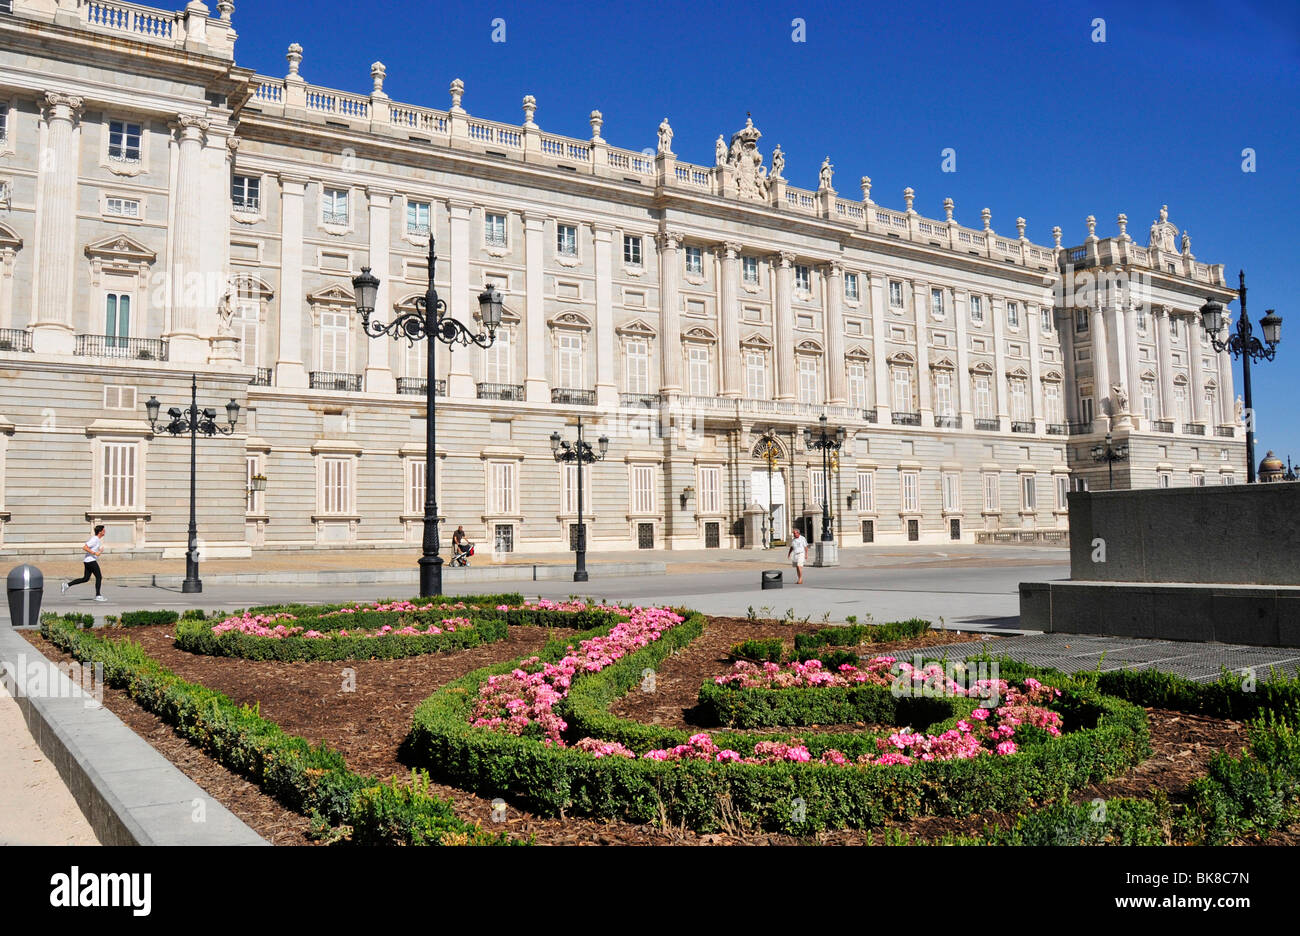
[[1256, 792], [315, 610], [312, 780], [197, 637], [147, 618], [706, 795]]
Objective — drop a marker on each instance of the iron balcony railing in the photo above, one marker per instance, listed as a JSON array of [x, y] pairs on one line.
[[263, 378], [1022, 426], [1223, 432], [986, 425], [907, 419], [572, 397], [500, 391], [1194, 428], [870, 415], [638, 400], [1162, 425], [1081, 428], [137, 349], [1058, 428], [947, 422], [15, 339], [325, 380], [419, 386]]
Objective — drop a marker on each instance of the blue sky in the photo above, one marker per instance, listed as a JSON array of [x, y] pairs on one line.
[[1046, 123]]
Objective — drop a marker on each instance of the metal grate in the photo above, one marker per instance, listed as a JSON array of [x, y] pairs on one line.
[[138, 349], [503, 536], [325, 380], [868, 531], [907, 419], [645, 536], [986, 425], [712, 535], [954, 529], [573, 397], [577, 537], [495, 391], [913, 530], [419, 386]]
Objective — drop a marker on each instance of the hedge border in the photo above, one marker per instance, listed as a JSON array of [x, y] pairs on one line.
[[709, 795], [310, 779]]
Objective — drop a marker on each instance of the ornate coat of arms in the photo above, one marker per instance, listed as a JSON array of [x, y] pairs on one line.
[[748, 174]]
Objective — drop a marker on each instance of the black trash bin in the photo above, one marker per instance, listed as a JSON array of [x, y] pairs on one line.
[[772, 578], [26, 586]]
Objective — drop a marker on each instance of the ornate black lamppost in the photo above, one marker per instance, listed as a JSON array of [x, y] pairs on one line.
[[192, 420], [827, 443], [428, 321], [580, 452], [1110, 453], [1243, 344]]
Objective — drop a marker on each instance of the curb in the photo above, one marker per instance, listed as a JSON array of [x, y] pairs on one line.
[[130, 793]]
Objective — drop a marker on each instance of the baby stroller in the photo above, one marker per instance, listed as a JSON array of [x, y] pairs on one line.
[[460, 553]]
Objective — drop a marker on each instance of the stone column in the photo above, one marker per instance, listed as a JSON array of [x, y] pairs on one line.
[[1070, 392], [188, 285], [729, 319], [379, 373], [1100, 363], [606, 385], [52, 328], [1134, 368], [1165, 353], [921, 313], [535, 386], [670, 321], [1197, 388], [1227, 399], [460, 379], [1038, 412], [290, 369], [833, 329], [879, 284], [961, 313], [786, 378]]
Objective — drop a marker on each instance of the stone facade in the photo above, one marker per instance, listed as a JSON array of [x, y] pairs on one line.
[[165, 212]]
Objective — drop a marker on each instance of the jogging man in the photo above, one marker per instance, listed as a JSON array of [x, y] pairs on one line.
[[92, 548]]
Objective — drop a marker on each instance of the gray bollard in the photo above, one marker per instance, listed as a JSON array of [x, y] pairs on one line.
[[26, 586], [772, 578]]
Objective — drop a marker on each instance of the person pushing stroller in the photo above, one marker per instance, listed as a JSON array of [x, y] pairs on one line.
[[461, 548]]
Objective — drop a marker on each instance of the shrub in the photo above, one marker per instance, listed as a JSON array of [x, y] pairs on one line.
[[760, 650], [1120, 821], [811, 646], [193, 614], [197, 637], [148, 618], [1257, 791]]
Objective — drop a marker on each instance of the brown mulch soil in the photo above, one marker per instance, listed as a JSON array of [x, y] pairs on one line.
[[368, 725]]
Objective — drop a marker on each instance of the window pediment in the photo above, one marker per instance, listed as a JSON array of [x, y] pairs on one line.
[[120, 249], [858, 353], [756, 340], [570, 320], [809, 346], [333, 294], [9, 240], [901, 359], [699, 334], [635, 329], [981, 367], [943, 363]]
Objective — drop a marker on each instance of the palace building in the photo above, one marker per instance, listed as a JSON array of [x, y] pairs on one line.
[[165, 212]]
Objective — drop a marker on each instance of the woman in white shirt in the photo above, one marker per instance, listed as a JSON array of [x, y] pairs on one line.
[[92, 549]]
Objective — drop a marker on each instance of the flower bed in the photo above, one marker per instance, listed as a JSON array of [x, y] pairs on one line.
[[576, 761]]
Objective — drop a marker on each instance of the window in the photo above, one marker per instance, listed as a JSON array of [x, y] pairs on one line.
[[119, 397], [701, 382], [569, 489], [645, 536], [124, 141], [246, 192], [417, 360], [909, 481], [1085, 409], [253, 501], [334, 349], [247, 326], [643, 489], [1019, 400], [121, 207], [1062, 492], [417, 471], [809, 392], [1209, 405], [502, 493], [1045, 320], [913, 531], [749, 270], [566, 240], [1227, 479], [951, 492], [983, 397], [336, 485], [756, 375], [695, 260], [710, 490], [936, 303], [1141, 314], [1180, 402], [334, 206], [632, 250], [1052, 401], [569, 370], [866, 490], [1027, 497], [1198, 479], [117, 319], [868, 531], [857, 385], [992, 495], [503, 537], [6, 6], [1173, 327], [1080, 320], [851, 286], [1164, 479], [636, 357], [817, 486], [497, 359], [977, 310], [1013, 315], [902, 390], [494, 230], [417, 217], [802, 279], [118, 475], [895, 294], [943, 393]]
